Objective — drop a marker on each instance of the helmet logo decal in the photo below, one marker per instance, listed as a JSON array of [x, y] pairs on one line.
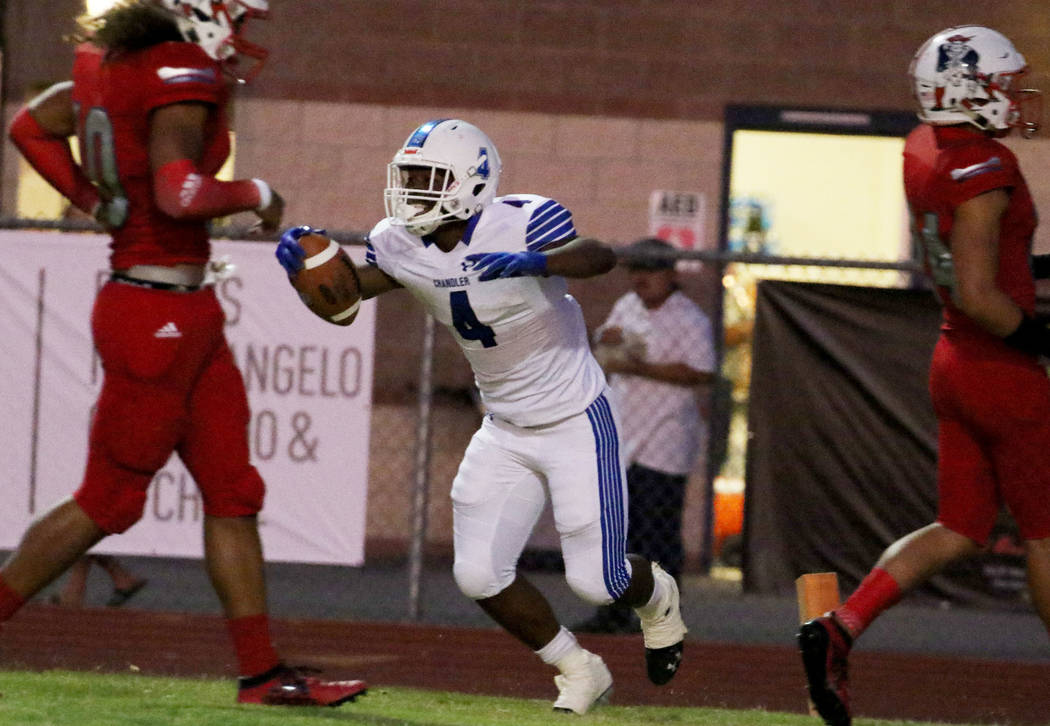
[[483, 168], [956, 65]]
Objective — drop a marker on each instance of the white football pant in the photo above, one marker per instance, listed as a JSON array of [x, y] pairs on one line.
[[499, 493]]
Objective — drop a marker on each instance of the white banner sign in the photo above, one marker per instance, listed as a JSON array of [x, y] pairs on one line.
[[309, 384]]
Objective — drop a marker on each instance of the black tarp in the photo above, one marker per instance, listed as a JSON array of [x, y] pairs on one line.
[[841, 459]]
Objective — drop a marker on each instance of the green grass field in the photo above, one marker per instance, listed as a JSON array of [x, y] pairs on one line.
[[58, 698]]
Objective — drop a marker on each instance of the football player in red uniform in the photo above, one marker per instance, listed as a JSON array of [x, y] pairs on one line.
[[147, 105], [974, 218]]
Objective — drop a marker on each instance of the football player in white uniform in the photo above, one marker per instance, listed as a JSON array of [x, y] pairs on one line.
[[492, 269]]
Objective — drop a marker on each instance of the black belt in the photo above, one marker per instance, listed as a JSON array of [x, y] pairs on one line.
[[153, 284]]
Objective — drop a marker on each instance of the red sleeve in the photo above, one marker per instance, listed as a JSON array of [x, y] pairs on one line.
[[183, 192], [53, 160], [180, 72], [979, 168]]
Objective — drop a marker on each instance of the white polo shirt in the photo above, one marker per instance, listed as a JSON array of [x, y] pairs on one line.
[[661, 427]]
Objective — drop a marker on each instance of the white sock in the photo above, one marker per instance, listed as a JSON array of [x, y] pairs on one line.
[[563, 650]]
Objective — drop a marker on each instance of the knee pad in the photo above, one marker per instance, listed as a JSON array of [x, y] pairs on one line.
[[113, 497], [597, 584], [238, 496], [590, 589], [134, 432], [591, 571], [477, 582]]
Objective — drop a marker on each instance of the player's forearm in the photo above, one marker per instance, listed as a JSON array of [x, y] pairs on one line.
[[676, 373], [975, 260], [997, 313], [583, 257], [52, 158], [374, 281], [183, 192], [994, 311]]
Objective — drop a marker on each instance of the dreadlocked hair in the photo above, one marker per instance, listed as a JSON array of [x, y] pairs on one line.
[[127, 26]]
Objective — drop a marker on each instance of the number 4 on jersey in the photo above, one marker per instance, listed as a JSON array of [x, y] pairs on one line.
[[467, 323]]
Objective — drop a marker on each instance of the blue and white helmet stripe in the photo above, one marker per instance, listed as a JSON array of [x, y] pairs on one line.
[[551, 222], [420, 135]]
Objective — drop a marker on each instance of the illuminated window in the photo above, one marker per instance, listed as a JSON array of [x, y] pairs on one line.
[[818, 184], [97, 7], [36, 198]]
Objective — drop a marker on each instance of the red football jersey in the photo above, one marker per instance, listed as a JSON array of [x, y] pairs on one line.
[[945, 166], [113, 98]]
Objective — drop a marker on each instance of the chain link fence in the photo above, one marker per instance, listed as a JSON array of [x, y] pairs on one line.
[[425, 409], [709, 511]]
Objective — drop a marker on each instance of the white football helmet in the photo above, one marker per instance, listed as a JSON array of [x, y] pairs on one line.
[[970, 74], [461, 170], [216, 27]]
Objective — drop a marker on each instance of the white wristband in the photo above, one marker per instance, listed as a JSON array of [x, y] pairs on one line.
[[265, 194]]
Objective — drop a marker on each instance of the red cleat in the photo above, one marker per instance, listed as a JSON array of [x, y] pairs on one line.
[[825, 647], [285, 686]]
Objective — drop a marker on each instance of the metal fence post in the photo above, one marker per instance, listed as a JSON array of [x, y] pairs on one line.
[[421, 488]]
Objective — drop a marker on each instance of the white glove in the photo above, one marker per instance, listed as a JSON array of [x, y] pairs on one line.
[[218, 270]]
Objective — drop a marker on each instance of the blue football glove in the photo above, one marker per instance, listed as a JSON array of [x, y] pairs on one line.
[[289, 252], [509, 264]]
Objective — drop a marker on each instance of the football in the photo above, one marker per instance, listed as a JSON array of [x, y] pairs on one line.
[[328, 283]]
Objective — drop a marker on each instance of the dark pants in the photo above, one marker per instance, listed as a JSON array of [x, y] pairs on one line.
[[654, 523], [654, 531]]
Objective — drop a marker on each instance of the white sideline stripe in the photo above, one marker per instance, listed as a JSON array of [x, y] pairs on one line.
[[346, 313], [322, 257]]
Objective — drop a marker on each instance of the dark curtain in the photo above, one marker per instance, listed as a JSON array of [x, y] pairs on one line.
[[842, 455]]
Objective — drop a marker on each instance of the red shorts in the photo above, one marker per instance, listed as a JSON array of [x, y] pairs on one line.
[[993, 412], [170, 385]]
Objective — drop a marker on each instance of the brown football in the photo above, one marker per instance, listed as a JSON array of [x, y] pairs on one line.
[[327, 283]]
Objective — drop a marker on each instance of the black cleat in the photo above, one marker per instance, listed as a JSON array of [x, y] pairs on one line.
[[825, 647], [664, 633], [661, 664]]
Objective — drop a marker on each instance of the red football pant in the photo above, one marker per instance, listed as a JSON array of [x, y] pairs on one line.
[[993, 410], [170, 385]]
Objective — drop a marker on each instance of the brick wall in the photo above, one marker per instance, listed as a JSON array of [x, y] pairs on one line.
[[637, 58]]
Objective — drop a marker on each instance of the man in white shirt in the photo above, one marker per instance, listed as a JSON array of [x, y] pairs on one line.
[[657, 347]]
